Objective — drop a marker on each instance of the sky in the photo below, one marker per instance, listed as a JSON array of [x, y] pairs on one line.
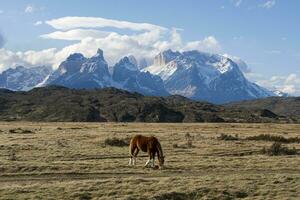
[[263, 33]]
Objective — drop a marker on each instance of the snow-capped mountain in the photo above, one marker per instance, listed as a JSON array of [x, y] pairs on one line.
[[22, 78], [80, 72], [193, 74], [204, 76], [128, 76]]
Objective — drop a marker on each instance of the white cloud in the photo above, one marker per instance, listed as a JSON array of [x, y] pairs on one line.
[[29, 9], [241, 64], [1, 11], [209, 43], [76, 34], [144, 41], [66, 23], [289, 84], [269, 4], [38, 23], [29, 58], [32, 8]]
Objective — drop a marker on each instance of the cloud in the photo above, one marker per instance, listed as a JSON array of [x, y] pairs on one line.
[[144, 40], [76, 34], [241, 64], [210, 44], [29, 58], [29, 9], [1, 11], [288, 84], [32, 8], [38, 23], [269, 4], [66, 23]]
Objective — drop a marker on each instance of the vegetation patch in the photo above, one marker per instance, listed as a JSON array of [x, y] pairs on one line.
[[20, 131], [277, 149], [274, 138], [227, 137], [203, 193], [117, 142]]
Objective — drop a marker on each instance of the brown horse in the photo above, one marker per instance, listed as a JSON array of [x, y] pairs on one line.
[[150, 145]]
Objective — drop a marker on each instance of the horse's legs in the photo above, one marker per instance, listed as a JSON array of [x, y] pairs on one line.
[[132, 155], [135, 155], [151, 158]]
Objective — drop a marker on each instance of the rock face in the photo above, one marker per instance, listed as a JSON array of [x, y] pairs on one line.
[[203, 76], [22, 78]]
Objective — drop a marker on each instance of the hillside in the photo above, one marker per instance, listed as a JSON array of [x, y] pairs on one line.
[[56, 103], [283, 106]]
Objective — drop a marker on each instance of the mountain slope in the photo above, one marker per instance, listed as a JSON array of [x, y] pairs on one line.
[[22, 78], [54, 103], [204, 76], [283, 106]]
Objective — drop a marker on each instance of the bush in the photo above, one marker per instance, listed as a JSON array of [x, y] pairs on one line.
[[116, 142], [274, 138], [19, 130], [189, 140], [277, 149], [227, 137]]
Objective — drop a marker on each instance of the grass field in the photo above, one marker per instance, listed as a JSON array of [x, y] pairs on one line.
[[70, 161]]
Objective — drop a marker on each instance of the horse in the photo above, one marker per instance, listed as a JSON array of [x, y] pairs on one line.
[[150, 145]]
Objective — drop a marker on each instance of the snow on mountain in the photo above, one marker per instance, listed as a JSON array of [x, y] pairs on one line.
[[80, 72], [204, 76], [193, 74], [22, 78], [127, 76]]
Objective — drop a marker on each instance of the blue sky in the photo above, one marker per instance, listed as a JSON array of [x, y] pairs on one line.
[[263, 33]]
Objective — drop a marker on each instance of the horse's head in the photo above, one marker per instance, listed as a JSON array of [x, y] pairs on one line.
[[161, 161]]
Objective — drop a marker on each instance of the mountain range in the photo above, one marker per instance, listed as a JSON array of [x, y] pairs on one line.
[[57, 103], [192, 74]]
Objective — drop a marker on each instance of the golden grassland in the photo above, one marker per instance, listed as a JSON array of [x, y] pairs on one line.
[[70, 161]]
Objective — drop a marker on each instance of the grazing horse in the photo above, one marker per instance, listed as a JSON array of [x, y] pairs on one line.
[[150, 145]]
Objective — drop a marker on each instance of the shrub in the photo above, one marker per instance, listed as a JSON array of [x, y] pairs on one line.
[[189, 140], [12, 155], [274, 138], [19, 130], [227, 137], [116, 142], [277, 149]]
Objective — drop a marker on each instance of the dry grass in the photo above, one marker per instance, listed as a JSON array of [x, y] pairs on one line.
[[69, 161]]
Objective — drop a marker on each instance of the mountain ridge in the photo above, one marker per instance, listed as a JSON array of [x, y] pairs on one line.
[[58, 103]]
